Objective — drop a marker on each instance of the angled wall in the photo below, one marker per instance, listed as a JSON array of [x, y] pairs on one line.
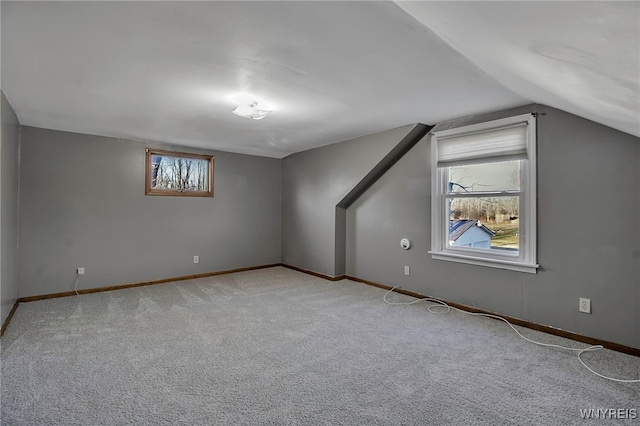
[[83, 205], [9, 187], [313, 183], [588, 228], [397, 152]]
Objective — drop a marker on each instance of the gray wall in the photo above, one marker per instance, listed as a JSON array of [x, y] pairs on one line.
[[588, 228], [314, 181], [83, 204], [9, 178]]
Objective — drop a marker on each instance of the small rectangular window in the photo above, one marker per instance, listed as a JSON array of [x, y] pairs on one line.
[[484, 194], [179, 174]]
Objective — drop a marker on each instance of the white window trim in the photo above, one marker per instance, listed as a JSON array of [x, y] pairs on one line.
[[525, 261]]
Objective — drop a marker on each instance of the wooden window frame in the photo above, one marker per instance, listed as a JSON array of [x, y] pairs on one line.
[[171, 192]]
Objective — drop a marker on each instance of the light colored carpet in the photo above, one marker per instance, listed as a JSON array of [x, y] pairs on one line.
[[276, 346]]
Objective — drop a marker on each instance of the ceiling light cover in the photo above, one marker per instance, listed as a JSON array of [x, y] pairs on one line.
[[251, 111]]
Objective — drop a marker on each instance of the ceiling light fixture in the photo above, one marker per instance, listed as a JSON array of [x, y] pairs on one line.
[[251, 111]]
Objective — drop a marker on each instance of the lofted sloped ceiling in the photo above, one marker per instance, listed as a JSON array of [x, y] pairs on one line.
[[173, 71], [581, 57]]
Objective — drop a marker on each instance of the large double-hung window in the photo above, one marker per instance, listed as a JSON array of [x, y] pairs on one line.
[[483, 208]]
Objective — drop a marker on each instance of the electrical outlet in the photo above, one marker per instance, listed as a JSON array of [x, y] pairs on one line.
[[80, 271], [406, 270], [585, 305], [196, 259]]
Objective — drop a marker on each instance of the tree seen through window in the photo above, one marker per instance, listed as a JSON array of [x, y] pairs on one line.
[[172, 173]]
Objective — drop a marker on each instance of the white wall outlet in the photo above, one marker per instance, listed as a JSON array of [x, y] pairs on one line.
[[80, 271], [585, 305], [196, 259], [406, 270]]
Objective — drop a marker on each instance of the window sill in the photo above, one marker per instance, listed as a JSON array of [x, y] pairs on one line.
[[483, 261]]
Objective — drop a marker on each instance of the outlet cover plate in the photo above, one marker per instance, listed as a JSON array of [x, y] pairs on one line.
[[585, 305]]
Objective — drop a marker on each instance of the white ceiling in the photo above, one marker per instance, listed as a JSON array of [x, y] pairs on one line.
[[581, 57], [167, 71]]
